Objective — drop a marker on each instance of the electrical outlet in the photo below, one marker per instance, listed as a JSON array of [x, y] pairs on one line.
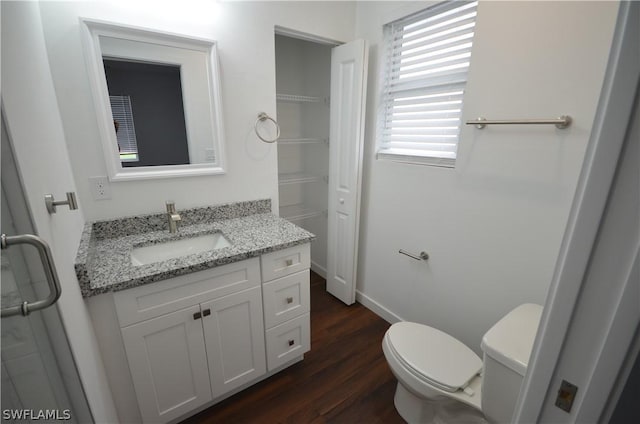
[[100, 188]]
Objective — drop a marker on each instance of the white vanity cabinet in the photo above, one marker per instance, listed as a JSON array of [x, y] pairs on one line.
[[182, 359], [191, 340]]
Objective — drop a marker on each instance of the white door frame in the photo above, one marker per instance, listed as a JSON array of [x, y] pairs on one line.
[[567, 289]]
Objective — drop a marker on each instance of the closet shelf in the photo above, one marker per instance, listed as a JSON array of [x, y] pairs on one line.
[[297, 178], [299, 212], [302, 140], [295, 98]]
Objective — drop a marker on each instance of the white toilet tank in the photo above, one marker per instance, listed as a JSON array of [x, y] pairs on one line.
[[507, 347]]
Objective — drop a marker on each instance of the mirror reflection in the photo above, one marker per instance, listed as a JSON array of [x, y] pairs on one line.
[[148, 113]]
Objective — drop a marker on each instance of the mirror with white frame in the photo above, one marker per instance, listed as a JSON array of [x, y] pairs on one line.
[[157, 99]]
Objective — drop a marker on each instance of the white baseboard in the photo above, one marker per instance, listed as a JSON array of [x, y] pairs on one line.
[[363, 299], [320, 270], [377, 308]]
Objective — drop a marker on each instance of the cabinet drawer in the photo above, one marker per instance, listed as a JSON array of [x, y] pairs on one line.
[[155, 299], [284, 262], [288, 341], [286, 298]]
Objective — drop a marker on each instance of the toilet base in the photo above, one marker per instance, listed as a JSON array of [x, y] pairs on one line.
[[414, 409]]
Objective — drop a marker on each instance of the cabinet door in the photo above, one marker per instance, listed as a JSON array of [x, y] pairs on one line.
[[234, 336], [168, 364]]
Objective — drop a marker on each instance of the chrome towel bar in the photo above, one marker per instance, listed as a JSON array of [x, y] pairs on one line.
[[562, 122]]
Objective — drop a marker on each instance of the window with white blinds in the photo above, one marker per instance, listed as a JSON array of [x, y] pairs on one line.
[[428, 57], [125, 130]]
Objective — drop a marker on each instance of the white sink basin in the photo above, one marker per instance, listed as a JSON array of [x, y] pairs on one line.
[[177, 248]]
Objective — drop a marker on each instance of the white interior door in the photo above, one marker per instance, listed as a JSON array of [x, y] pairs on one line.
[[348, 96]]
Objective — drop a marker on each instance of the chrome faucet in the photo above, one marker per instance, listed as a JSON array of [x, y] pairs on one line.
[[172, 216]]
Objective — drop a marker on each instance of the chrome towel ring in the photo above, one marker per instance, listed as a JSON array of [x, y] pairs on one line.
[[264, 117]]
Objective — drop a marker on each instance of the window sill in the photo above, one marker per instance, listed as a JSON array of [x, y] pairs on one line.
[[417, 160]]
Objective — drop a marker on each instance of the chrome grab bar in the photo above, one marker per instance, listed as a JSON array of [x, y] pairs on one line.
[[561, 122], [49, 269]]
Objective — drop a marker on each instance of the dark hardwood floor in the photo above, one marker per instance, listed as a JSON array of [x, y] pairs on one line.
[[343, 379]]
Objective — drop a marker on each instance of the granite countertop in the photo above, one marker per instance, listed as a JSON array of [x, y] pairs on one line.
[[103, 263]]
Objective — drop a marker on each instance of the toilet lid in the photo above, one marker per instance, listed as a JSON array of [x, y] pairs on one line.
[[434, 355]]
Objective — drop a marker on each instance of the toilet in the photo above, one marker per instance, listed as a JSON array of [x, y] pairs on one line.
[[440, 380]]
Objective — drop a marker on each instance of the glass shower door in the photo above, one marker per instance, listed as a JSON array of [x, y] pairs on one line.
[[39, 379]]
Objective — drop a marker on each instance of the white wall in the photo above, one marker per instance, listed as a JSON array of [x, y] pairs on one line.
[[245, 35], [493, 225]]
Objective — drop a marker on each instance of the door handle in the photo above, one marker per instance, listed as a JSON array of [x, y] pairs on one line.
[[49, 270]]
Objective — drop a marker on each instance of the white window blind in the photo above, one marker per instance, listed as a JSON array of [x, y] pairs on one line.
[[126, 132], [428, 57]]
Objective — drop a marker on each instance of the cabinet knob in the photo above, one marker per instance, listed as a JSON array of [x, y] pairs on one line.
[[289, 299], [206, 312], [197, 315], [289, 262], [291, 342]]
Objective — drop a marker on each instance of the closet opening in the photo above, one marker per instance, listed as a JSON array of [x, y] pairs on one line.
[[303, 86]]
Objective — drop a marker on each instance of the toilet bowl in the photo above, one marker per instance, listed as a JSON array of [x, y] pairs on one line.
[[440, 380]]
